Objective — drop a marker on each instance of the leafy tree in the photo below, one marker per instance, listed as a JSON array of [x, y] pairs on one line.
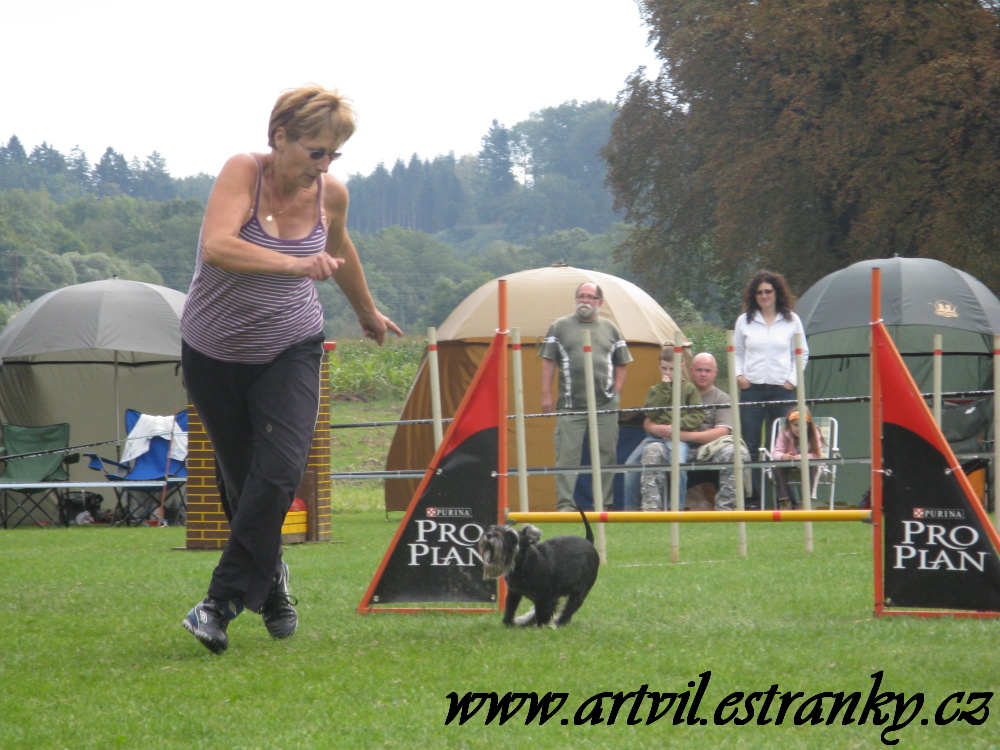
[[196, 187], [565, 140], [805, 136], [445, 297]]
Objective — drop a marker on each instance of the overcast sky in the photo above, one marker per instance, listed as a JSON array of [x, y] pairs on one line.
[[195, 80]]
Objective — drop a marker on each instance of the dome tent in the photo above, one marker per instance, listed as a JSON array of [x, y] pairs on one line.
[[921, 298], [84, 353], [535, 298]]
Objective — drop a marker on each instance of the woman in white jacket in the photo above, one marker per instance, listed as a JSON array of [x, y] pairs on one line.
[[764, 349]]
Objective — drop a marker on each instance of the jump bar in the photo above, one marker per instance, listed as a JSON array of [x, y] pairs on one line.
[[693, 516]]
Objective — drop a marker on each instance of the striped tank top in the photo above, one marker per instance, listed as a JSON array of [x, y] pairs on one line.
[[253, 317]]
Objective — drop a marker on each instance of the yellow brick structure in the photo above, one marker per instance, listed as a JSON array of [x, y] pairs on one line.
[[207, 527]]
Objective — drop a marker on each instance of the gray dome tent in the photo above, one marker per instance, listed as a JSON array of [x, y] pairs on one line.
[[84, 353], [921, 297]]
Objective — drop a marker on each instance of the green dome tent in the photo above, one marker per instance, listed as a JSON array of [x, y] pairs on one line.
[[921, 298]]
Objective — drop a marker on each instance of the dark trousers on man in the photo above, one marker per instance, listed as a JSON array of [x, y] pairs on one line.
[[260, 420]]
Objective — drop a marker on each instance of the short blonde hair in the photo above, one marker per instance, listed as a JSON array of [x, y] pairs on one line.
[[307, 110]]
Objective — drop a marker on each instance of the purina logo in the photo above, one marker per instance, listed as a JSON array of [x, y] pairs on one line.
[[449, 512], [945, 309], [938, 513]]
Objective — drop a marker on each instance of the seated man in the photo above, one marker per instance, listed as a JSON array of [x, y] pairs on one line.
[[717, 424]]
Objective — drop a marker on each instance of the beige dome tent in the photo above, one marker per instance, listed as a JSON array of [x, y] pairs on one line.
[[534, 299]]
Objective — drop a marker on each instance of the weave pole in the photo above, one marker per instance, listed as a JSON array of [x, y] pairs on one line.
[[595, 443], [520, 440], [501, 405], [695, 516], [734, 397], [432, 362], [675, 459], [800, 391], [996, 421], [876, 443], [936, 378]]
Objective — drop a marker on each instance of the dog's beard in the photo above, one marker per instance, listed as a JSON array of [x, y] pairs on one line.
[[498, 558]]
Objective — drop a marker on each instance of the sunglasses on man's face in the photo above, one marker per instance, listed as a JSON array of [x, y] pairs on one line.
[[318, 153]]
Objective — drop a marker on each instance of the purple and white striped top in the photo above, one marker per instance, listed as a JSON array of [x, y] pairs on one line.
[[253, 317]]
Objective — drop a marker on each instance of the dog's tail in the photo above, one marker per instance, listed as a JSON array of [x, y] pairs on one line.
[[586, 523]]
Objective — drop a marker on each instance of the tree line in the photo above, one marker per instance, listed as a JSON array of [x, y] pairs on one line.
[[539, 176], [72, 176], [417, 278], [429, 231]]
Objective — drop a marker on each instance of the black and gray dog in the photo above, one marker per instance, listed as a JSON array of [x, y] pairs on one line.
[[564, 566]]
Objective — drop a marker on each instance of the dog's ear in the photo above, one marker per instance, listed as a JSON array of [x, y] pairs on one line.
[[531, 534]]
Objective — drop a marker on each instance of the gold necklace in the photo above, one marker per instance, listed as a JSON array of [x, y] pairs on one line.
[[270, 216]]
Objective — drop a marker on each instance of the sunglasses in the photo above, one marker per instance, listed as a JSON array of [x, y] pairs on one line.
[[318, 153]]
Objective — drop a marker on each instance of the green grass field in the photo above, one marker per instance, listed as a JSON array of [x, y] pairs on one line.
[[94, 656]]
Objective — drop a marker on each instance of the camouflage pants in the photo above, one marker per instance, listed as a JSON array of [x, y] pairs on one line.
[[725, 498], [653, 484]]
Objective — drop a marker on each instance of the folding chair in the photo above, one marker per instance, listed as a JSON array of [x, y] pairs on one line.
[[138, 505], [827, 474], [20, 473]]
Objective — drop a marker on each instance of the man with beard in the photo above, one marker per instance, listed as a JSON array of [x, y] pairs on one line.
[[562, 350]]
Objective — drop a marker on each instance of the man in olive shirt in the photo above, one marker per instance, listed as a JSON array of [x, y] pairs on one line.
[[562, 351]]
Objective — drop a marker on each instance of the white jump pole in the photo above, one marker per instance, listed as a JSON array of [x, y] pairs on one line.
[[432, 362], [595, 444], [522, 451], [800, 393], [734, 394]]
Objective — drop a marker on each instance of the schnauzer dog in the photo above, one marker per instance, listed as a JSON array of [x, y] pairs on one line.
[[564, 566]]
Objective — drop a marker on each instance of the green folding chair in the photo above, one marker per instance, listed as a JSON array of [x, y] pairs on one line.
[[19, 502]]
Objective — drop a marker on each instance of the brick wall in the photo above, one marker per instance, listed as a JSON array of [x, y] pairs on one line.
[[207, 527]]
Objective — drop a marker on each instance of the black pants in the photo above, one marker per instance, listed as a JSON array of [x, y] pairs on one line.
[[260, 421], [755, 420]]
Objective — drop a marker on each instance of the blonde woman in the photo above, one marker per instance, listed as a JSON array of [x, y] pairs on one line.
[[252, 330]]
